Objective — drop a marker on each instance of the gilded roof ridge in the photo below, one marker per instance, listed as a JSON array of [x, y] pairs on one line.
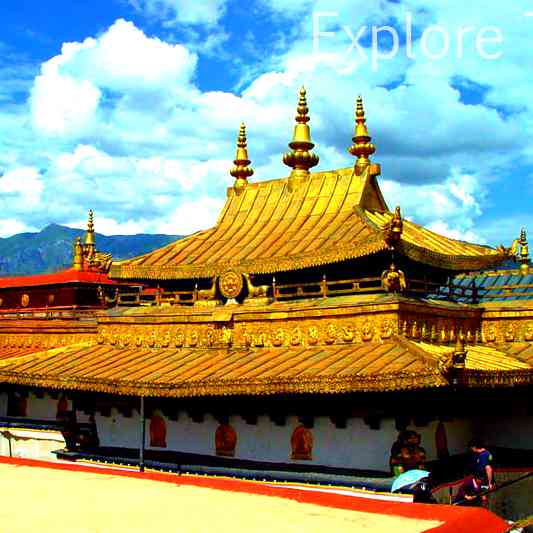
[[189, 372], [270, 227]]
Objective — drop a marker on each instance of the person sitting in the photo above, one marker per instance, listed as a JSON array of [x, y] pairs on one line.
[[395, 452], [418, 453], [406, 453], [469, 493], [422, 491]]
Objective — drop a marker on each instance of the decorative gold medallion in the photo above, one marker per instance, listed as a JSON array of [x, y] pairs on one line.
[[231, 284], [25, 300]]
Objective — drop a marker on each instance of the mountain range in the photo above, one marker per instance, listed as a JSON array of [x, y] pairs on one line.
[[50, 249]]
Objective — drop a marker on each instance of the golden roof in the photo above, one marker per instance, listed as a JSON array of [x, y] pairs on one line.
[[478, 357], [272, 227], [396, 364], [429, 247], [188, 372], [521, 350]]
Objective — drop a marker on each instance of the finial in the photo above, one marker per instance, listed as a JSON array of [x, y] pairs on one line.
[[89, 247], [460, 353], [301, 159], [77, 262], [524, 253], [241, 171], [393, 230], [396, 225], [362, 147]]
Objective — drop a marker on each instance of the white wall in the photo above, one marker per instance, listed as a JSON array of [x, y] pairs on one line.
[[43, 408], [30, 443], [116, 430], [458, 432], [356, 446]]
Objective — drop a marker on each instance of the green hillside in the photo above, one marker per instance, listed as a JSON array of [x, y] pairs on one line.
[[51, 249]]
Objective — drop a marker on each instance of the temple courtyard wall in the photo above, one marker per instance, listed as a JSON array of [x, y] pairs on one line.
[[356, 446]]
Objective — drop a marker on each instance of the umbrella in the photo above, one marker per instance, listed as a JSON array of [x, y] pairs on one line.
[[408, 478]]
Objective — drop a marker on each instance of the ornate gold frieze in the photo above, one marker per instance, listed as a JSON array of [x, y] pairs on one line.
[[508, 330], [268, 333], [439, 329], [40, 341], [220, 387]]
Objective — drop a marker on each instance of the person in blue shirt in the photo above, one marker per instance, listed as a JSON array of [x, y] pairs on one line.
[[482, 463]]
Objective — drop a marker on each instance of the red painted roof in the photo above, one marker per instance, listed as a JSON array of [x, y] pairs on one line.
[[453, 519], [57, 278]]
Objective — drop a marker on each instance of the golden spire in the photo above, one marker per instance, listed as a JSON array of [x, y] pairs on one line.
[[393, 230], [524, 253], [241, 171], [362, 147], [300, 159], [89, 247], [460, 353], [77, 262]]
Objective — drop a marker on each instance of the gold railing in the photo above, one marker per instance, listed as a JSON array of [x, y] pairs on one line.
[[66, 312], [324, 288], [157, 297], [468, 293]]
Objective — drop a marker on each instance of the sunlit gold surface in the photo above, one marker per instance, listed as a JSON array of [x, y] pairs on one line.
[[429, 247], [270, 228], [241, 170], [77, 260], [394, 364], [362, 148], [479, 357], [188, 372], [328, 345], [300, 158]]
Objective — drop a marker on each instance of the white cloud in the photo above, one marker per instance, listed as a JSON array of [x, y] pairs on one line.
[[67, 94], [62, 105], [191, 216], [21, 188], [142, 143], [109, 226], [125, 59], [450, 208], [11, 226]]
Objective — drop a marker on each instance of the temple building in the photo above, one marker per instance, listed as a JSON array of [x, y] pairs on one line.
[[302, 332]]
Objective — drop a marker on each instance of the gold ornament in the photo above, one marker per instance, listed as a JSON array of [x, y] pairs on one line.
[[312, 336], [226, 336], [278, 338], [296, 337], [241, 170], [348, 333], [231, 284], [367, 332], [528, 335], [387, 329], [331, 333]]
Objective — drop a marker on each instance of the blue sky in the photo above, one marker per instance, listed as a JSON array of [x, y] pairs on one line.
[[131, 107]]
